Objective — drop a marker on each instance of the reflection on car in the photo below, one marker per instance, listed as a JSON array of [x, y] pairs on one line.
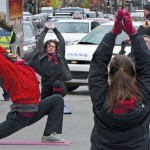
[[72, 30], [80, 54]]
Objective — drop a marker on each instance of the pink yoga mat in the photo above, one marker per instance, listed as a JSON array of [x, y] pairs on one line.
[[31, 142]]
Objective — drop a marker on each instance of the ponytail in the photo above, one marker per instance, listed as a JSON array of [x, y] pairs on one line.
[[122, 85]]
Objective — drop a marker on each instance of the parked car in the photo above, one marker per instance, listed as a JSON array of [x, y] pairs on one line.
[[100, 20], [79, 55], [72, 29], [31, 34]]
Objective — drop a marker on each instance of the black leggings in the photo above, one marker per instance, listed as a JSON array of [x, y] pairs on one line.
[[52, 106]]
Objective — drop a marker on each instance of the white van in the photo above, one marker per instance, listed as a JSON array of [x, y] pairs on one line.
[[48, 10]]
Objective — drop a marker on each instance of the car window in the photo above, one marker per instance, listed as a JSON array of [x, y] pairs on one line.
[[28, 30], [72, 27], [98, 33]]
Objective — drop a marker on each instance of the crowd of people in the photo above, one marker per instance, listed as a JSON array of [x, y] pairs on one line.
[[121, 108]]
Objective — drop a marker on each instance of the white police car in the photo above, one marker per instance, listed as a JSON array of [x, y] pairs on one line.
[[80, 54]]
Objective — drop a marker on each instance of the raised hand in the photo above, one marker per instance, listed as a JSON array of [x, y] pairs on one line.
[[50, 25], [12, 57], [146, 24], [117, 28], [128, 26]]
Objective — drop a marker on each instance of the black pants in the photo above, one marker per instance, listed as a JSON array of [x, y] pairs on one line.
[[51, 106], [57, 87]]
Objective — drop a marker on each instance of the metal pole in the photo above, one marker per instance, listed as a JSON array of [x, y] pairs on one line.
[[115, 5], [129, 5]]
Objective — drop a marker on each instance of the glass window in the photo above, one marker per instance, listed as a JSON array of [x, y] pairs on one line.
[[98, 33], [72, 27]]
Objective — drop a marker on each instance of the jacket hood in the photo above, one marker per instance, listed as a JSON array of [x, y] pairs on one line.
[[124, 106]]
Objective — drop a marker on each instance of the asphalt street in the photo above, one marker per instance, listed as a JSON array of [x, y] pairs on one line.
[[76, 127]]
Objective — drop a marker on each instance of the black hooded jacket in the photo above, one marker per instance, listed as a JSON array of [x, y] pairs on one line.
[[113, 131], [143, 30]]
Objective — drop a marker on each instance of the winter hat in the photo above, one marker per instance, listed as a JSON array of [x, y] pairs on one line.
[[147, 6]]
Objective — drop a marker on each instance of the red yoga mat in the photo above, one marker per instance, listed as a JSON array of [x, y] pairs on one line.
[[31, 142]]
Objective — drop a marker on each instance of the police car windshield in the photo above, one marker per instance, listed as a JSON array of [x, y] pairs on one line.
[[97, 34]]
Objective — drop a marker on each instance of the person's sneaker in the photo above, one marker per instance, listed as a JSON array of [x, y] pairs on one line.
[[52, 138]]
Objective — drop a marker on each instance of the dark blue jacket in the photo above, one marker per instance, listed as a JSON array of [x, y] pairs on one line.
[[112, 131]]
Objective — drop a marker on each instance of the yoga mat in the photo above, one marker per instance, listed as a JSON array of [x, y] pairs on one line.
[[31, 142]]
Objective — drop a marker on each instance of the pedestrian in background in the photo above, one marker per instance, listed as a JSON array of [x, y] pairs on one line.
[[122, 108], [77, 15], [142, 30], [145, 29], [7, 37], [146, 9]]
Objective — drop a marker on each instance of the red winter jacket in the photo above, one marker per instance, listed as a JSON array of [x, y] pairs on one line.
[[19, 81]]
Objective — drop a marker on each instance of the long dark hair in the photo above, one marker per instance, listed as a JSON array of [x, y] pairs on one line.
[[123, 82]]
